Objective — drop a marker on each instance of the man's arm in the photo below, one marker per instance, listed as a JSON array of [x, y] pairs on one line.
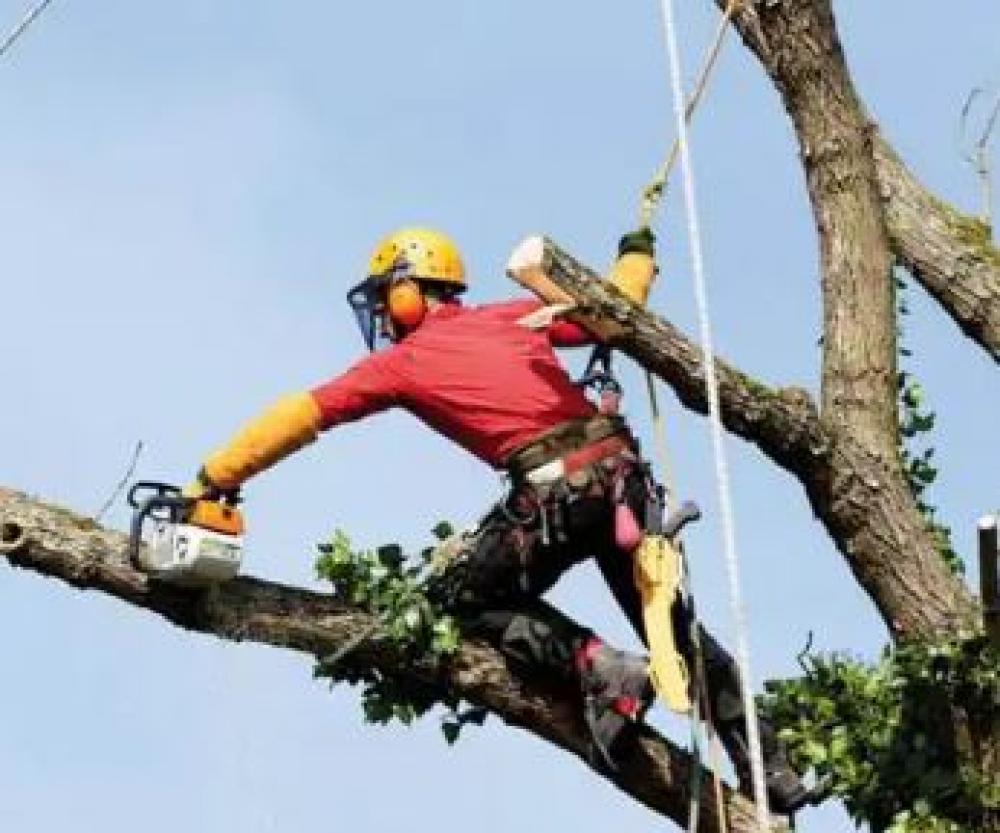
[[283, 428], [296, 420]]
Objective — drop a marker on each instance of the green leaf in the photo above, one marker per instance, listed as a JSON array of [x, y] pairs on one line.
[[815, 752], [412, 617], [390, 555], [476, 716], [443, 530], [451, 729]]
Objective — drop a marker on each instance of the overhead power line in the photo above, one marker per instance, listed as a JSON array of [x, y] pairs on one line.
[[22, 27]]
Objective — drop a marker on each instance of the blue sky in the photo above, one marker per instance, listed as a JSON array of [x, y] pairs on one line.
[[188, 191]]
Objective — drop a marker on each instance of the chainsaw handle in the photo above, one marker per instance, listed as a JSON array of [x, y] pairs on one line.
[[156, 487]]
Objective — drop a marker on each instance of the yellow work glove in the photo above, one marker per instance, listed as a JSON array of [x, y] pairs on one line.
[[282, 429], [200, 488], [635, 269]]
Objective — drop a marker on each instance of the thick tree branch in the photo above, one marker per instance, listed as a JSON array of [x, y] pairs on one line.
[[866, 507], [950, 254], [781, 422], [74, 549]]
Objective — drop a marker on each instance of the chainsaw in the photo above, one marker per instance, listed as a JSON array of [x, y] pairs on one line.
[[194, 541]]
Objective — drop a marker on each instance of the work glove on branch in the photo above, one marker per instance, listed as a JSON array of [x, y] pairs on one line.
[[640, 241], [635, 269]]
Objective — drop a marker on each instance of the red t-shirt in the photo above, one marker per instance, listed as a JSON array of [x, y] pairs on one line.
[[472, 374]]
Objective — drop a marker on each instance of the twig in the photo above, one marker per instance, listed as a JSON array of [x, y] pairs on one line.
[[800, 658], [352, 644], [21, 27], [978, 154], [121, 483]]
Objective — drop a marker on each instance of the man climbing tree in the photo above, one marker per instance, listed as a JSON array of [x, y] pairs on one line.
[[488, 379]]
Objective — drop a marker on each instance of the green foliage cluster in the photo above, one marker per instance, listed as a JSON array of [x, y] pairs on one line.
[[916, 421], [393, 588], [885, 738]]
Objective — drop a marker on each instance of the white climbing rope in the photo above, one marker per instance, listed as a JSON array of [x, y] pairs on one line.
[[718, 448], [21, 27]]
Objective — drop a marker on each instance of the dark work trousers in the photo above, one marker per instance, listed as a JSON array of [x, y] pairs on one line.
[[496, 582]]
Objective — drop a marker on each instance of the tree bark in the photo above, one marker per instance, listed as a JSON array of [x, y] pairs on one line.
[[835, 145], [54, 542], [866, 507], [950, 254]]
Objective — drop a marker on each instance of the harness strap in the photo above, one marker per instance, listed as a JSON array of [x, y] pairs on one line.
[[564, 439], [566, 467]]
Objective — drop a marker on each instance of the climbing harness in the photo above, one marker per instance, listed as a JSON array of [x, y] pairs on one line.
[[712, 391], [581, 458]]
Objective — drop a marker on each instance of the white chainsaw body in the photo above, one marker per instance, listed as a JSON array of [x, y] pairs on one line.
[[186, 554]]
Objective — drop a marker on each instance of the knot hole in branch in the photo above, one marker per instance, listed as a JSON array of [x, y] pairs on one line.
[[12, 537]]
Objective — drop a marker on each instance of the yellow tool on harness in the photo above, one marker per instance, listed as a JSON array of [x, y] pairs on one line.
[[657, 574]]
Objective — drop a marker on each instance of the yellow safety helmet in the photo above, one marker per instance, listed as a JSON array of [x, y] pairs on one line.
[[389, 300], [430, 256]]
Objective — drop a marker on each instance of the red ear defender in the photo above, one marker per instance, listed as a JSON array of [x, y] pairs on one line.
[[406, 304]]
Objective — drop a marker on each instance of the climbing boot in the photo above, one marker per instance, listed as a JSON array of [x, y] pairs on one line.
[[616, 690], [786, 794]]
